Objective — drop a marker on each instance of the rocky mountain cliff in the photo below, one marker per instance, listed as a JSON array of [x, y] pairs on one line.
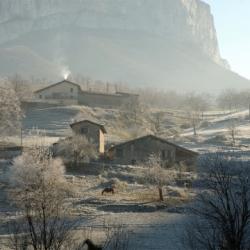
[[143, 41]]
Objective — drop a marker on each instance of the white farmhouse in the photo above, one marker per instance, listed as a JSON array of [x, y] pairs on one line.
[[64, 92]]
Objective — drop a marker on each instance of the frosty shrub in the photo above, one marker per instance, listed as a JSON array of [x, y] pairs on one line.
[[10, 109], [35, 171], [38, 188], [157, 175], [76, 149]]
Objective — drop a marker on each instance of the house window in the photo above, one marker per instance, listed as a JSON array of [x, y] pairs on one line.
[[119, 152], [133, 162], [84, 131], [71, 90]]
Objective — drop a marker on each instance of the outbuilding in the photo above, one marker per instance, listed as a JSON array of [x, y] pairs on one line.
[[94, 132], [139, 150]]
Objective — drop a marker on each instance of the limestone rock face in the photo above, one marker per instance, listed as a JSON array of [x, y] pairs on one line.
[[181, 19], [168, 42]]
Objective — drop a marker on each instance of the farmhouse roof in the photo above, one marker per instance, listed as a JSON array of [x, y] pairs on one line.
[[155, 138], [126, 93], [116, 94], [58, 83], [91, 122]]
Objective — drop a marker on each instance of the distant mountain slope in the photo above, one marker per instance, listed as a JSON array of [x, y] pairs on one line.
[[163, 43], [23, 60]]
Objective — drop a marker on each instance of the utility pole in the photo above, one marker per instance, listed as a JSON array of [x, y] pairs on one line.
[[21, 136]]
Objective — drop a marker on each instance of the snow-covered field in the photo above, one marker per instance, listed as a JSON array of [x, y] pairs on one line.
[[216, 134], [151, 225], [53, 123]]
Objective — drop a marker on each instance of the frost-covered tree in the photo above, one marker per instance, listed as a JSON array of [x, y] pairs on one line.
[[22, 87], [157, 175], [10, 109], [38, 188], [133, 111], [76, 149], [233, 100]]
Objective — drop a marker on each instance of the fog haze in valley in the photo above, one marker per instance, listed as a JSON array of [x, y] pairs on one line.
[[163, 43], [122, 126]]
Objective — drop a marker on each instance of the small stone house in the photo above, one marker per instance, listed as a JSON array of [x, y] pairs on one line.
[[139, 150], [94, 132], [64, 92]]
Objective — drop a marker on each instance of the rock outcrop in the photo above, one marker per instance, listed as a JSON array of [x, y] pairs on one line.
[[124, 34]]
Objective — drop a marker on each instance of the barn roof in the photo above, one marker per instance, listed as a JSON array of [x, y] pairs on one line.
[[116, 94], [91, 122], [126, 93], [58, 83], [155, 138]]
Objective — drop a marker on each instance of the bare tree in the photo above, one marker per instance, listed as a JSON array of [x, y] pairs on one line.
[[21, 87], [133, 111], [117, 238], [76, 149], [159, 98], [157, 175], [232, 129], [245, 100], [222, 212], [10, 109], [156, 121], [195, 105], [229, 99], [38, 188]]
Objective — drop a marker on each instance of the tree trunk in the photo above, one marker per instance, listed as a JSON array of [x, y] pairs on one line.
[[194, 128], [75, 159], [160, 193]]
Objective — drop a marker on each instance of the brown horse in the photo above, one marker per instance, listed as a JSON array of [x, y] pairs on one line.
[[91, 245], [108, 190]]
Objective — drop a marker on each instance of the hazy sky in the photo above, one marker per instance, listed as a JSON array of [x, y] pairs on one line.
[[232, 21]]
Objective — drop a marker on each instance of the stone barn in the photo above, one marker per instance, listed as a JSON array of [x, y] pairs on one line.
[[94, 132], [139, 150], [106, 100]]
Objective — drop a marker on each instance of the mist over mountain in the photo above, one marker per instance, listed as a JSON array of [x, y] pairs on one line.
[[160, 43]]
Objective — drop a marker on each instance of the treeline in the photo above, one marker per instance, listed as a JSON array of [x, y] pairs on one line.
[[229, 99]]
